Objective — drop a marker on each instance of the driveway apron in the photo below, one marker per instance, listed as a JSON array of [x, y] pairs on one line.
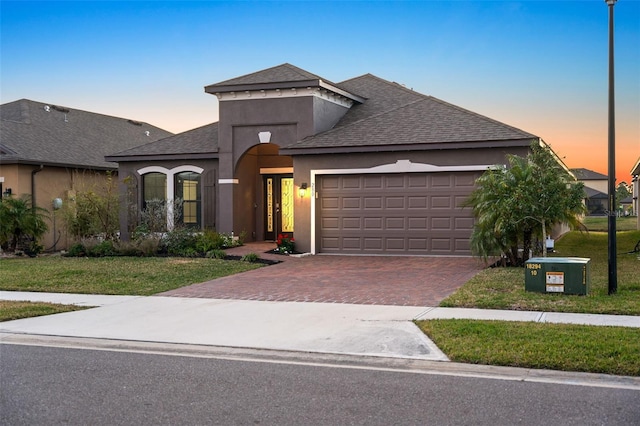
[[373, 280]]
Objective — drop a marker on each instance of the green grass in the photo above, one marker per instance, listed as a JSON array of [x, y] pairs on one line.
[[503, 288], [601, 223], [12, 310], [609, 350], [112, 275]]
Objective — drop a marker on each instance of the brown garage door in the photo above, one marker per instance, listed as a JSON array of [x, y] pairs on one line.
[[410, 213]]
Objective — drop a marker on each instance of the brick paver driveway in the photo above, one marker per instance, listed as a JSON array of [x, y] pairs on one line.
[[379, 280]]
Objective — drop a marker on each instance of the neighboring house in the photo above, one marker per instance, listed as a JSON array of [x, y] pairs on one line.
[[49, 152], [596, 188], [635, 192], [365, 166]]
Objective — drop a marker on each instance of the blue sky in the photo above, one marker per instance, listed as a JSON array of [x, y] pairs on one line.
[[537, 65]]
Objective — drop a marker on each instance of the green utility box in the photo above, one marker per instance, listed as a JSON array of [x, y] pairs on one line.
[[568, 275]]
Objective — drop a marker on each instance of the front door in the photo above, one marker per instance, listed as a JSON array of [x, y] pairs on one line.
[[278, 191]]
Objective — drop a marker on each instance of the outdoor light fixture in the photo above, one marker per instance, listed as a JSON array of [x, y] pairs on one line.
[[7, 192], [303, 190], [265, 137]]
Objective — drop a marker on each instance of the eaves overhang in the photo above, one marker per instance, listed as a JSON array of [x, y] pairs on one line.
[[217, 90], [160, 157], [405, 147], [32, 162]]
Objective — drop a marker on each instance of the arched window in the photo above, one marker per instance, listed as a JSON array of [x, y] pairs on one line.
[[187, 189], [155, 187], [178, 190]]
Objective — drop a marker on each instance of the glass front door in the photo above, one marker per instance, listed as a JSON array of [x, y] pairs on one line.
[[278, 206]]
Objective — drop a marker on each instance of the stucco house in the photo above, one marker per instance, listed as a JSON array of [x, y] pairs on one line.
[[635, 190], [596, 187], [49, 151], [364, 166]]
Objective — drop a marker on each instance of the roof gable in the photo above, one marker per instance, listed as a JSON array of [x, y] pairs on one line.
[[35, 132]]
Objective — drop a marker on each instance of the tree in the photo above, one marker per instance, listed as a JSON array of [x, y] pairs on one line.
[[21, 222], [515, 204]]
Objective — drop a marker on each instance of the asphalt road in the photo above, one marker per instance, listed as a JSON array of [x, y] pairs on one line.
[[71, 386]]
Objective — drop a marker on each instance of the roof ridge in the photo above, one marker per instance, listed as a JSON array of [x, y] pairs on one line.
[[388, 83]]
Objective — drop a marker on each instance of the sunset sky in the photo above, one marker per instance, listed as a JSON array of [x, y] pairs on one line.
[[541, 66]]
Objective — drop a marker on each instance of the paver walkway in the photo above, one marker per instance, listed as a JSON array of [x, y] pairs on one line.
[[375, 280]]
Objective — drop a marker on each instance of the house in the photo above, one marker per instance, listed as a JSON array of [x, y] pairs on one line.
[[596, 187], [49, 151], [635, 191], [364, 166]]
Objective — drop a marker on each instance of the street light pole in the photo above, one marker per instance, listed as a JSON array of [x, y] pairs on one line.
[[613, 273]]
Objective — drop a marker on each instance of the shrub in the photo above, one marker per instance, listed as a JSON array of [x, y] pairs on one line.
[[209, 240], [250, 257], [76, 250], [216, 254], [180, 242]]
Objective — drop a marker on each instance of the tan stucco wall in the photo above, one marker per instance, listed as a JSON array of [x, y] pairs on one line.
[[50, 183]]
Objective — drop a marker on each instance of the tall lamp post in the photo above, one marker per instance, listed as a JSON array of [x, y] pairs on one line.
[[613, 273]]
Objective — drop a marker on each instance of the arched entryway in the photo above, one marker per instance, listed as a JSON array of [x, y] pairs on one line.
[[264, 194]]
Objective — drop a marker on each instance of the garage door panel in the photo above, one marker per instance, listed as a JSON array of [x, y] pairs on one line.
[[394, 202], [441, 223], [371, 203], [395, 223], [351, 203], [373, 243], [394, 181], [441, 202], [330, 203], [417, 223], [412, 213], [417, 202], [352, 223], [373, 223]]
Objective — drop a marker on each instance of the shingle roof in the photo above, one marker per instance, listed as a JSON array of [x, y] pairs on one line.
[[394, 115], [280, 73], [595, 194], [202, 140], [586, 174], [39, 133]]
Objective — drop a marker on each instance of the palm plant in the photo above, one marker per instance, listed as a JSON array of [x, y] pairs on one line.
[[21, 222]]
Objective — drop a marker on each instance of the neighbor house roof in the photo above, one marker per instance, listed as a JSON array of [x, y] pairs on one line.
[[41, 133], [201, 142], [586, 174], [594, 194]]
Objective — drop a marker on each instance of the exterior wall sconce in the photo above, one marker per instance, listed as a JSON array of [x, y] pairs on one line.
[[7, 192], [302, 191], [265, 137]]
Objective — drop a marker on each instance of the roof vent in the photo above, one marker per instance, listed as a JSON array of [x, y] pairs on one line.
[[146, 132], [59, 108], [47, 108], [135, 123]]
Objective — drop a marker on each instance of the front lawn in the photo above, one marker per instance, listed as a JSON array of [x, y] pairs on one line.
[[566, 347], [503, 288], [140, 276], [12, 310]]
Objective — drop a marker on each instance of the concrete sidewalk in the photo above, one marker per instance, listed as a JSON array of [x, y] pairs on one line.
[[372, 330]]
